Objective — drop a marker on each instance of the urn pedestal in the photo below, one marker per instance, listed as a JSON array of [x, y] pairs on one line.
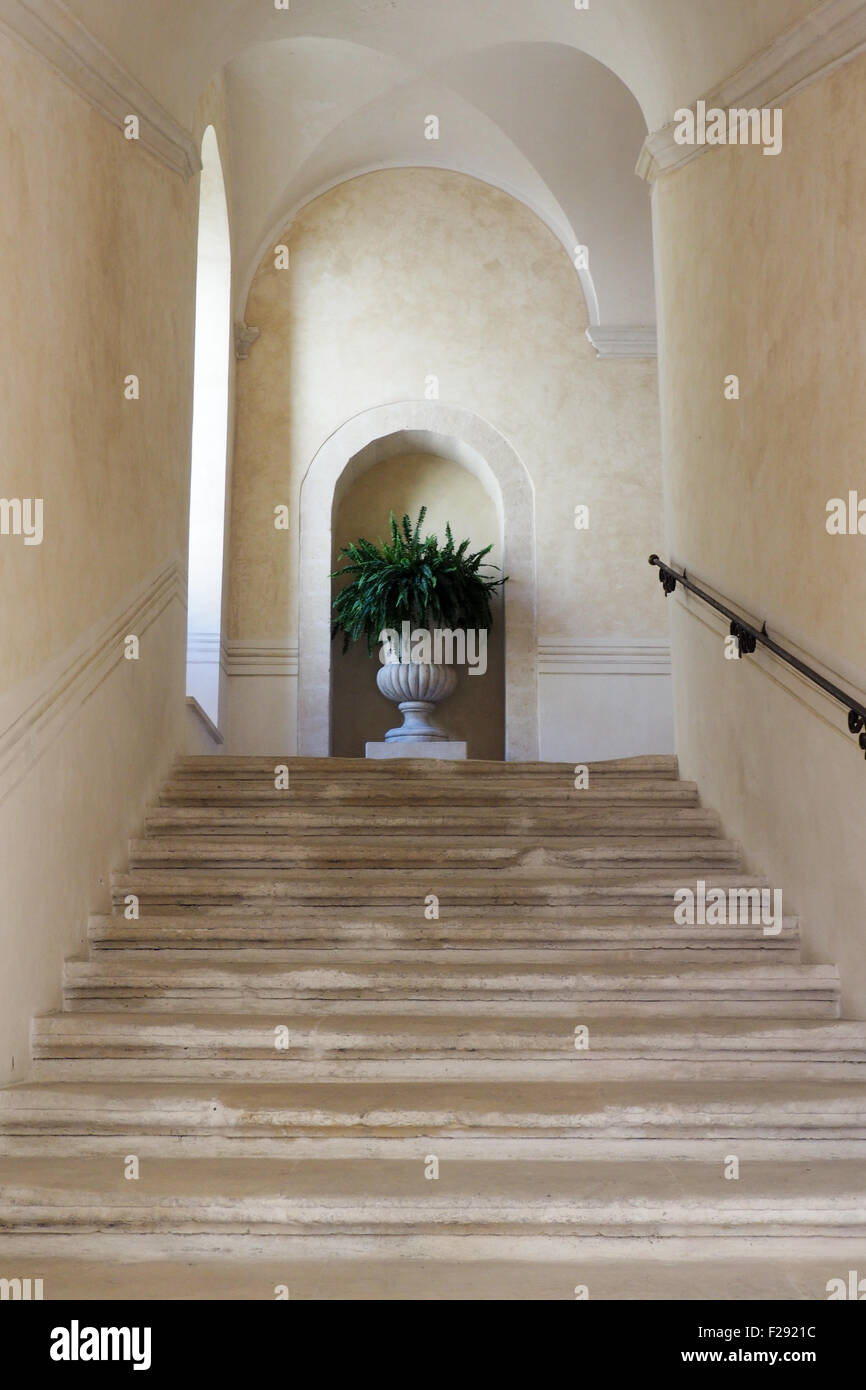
[[417, 688]]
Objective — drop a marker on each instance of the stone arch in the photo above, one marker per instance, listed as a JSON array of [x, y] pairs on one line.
[[471, 441]]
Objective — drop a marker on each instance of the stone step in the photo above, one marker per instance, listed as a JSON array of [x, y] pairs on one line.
[[618, 1112], [506, 820], [540, 930], [661, 765], [358, 1197], [304, 910], [439, 1268], [409, 852], [129, 980], [323, 1043], [479, 792], [627, 890]]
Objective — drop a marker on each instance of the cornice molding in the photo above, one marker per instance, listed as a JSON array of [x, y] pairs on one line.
[[48, 29], [823, 41], [622, 656], [262, 658], [244, 339], [557, 657], [622, 341]]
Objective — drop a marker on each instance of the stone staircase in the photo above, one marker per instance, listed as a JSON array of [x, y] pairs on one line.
[[289, 1040]]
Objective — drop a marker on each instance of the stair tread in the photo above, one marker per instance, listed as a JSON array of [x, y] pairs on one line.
[[416, 839], [576, 1096], [129, 964], [505, 819], [583, 1186], [536, 920], [305, 910], [663, 879], [330, 767], [497, 850], [784, 1271], [724, 1032]]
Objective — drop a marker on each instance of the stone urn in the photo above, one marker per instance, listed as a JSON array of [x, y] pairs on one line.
[[417, 687]]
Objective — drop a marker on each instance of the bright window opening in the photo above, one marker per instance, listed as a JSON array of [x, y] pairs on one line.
[[209, 435]]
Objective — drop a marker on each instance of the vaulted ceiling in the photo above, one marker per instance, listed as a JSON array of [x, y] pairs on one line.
[[547, 101]]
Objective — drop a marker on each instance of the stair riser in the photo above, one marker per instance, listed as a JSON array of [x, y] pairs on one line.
[[516, 1268], [361, 891], [446, 1067], [326, 769], [510, 820], [458, 784], [135, 976], [190, 853], [511, 1040], [458, 1009], [45, 1143], [221, 1122], [756, 952], [533, 925], [257, 1219], [550, 798], [204, 1001], [384, 1034], [540, 930], [424, 781]]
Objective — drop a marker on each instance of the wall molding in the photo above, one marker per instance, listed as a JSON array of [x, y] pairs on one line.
[[556, 657], [619, 656], [817, 45], [620, 341], [48, 29], [35, 713], [261, 658]]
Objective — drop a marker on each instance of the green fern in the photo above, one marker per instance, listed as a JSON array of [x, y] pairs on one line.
[[411, 580]]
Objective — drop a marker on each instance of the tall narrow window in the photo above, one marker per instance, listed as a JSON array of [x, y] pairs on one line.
[[209, 434]]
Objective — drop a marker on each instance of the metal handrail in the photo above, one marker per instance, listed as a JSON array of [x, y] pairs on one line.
[[748, 638]]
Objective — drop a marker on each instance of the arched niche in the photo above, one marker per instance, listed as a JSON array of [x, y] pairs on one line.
[[451, 493], [387, 432]]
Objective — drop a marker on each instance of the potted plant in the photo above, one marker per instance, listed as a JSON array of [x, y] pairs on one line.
[[403, 596]]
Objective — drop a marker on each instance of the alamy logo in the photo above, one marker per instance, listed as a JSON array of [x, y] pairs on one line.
[[846, 518], [22, 516], [737, 126], [77, 1343], [716, 907], [441, 647], [21, 1290], [854, 1288]]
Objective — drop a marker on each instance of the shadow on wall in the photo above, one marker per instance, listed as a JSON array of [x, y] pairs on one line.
[[476, 711]]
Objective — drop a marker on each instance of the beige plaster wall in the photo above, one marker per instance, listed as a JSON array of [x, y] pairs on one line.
[[98, 255], [404, 275], [97, 277], [476, 711], [761, 273]]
